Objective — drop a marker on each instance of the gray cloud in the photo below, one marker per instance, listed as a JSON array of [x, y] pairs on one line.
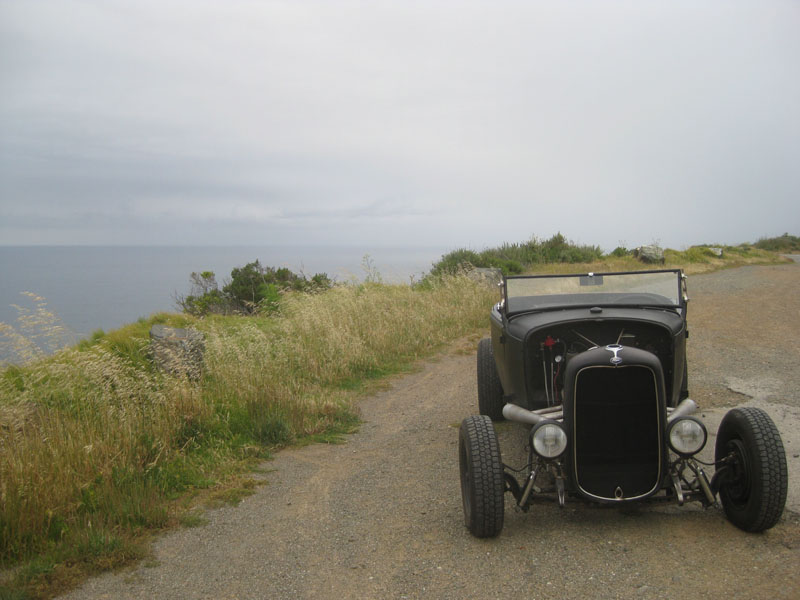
[[463, 124]]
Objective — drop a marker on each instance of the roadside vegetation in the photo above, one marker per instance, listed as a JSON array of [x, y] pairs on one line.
[[559, 255], [785, 243], [98, 448], [517, 258]]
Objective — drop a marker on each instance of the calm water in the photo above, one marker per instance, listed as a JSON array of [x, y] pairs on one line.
[[104, 287]]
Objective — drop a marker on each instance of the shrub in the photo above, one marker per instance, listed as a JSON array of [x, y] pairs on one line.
[[516, 258], [619, 252], [252, 288], [783, 243], [455, 261]]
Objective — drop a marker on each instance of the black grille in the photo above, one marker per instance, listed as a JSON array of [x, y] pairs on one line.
[[617, 444]]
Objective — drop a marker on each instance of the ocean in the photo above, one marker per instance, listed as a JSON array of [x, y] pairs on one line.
[[105, 287]]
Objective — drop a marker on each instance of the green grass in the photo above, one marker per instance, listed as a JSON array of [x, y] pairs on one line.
[[231, 495], [9, 593], [190, 519]]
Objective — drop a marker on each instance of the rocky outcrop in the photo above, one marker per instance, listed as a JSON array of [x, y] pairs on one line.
[[490, 276], [177, 351], [649, 254]]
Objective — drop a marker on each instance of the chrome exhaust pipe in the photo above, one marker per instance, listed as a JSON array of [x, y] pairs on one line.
[[685, 408], [512, 412]]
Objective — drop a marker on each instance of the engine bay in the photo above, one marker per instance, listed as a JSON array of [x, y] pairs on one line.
[[553, 347]]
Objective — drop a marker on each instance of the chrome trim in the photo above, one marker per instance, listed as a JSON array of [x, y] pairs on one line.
[[684, 409], [615, 349], [512, 412]]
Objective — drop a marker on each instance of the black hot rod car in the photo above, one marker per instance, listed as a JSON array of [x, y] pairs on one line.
[[595, 365]]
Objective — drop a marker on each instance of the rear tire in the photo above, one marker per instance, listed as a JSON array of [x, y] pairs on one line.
[[753, 494], [482, 482], [490, 390]]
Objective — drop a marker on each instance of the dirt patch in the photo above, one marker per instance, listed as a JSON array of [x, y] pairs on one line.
[[745, 335]]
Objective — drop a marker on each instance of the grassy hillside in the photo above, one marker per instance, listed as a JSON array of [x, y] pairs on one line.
[[97, 447]]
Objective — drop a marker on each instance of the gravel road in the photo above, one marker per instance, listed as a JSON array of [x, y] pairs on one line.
[[380, 516]]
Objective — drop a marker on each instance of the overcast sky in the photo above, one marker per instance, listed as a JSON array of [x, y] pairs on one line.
[[455, 124]]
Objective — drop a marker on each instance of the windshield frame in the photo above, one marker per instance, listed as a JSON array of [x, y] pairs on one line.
[[599, 297]]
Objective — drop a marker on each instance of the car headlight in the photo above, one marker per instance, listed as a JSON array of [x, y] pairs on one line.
[[686, 436], [549, 439]]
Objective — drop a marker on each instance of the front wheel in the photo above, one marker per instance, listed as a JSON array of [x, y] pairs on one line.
[[753, 492], [482, 482]]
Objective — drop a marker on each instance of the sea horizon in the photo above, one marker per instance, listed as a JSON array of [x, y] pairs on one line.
[[91, 287]]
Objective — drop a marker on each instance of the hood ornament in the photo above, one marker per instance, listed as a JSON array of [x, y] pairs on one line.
[[615, 348]]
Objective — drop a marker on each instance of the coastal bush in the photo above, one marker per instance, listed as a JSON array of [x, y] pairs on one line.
[[783, 243], [251, 288], [516, 258]]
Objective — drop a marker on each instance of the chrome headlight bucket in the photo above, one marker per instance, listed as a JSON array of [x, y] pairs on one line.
[[686, 436], [548, 439]]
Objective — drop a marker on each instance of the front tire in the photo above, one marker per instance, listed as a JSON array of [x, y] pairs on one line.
[[490, 390], [482, 482], [753, 493]]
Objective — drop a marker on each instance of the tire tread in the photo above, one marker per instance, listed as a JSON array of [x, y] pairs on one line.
[[487, 482], [770, 455]]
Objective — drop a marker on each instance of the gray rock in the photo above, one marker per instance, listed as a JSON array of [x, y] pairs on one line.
[[649, 254], [716, 251], [177, 351], [491, 276]]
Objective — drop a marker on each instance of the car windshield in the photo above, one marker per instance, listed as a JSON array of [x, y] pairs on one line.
[[649, 288]]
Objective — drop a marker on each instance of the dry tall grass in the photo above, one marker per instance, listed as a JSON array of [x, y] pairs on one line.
[[93, 439], [38, 332], [78, 435]]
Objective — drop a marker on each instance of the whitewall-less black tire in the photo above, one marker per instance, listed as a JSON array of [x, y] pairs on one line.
[[482, 482], [753, 494]]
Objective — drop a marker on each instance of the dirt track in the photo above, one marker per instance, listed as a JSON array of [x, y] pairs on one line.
[[380, 516]]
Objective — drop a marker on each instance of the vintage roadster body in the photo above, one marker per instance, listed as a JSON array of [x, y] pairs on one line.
[[595, 366]]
